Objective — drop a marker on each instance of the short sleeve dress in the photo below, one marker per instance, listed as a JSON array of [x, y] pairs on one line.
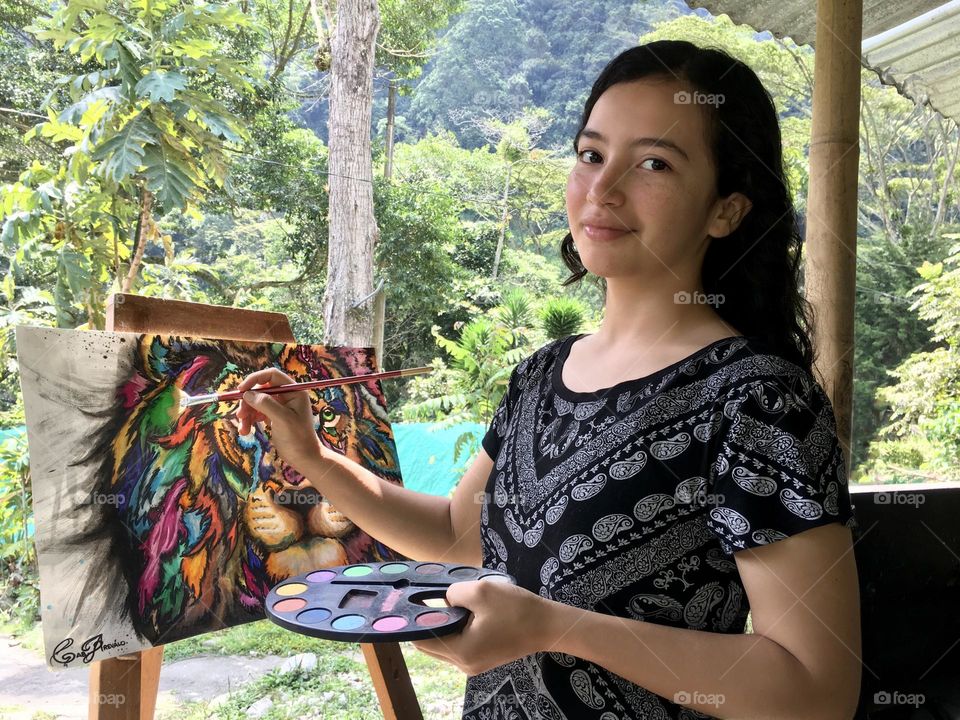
[[631, 501]]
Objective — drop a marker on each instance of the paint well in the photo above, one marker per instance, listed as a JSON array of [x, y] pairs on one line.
[[393, 568], [321, 576], [313, 616], [496, 578], [431, 619], [289, 605], [430, 568], [357, 571], [463, 572], [348, 622], [291, 589], [357, 599], [390, 623], [436, 602]]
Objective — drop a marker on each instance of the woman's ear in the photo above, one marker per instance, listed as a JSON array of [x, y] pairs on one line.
[[730, 213]]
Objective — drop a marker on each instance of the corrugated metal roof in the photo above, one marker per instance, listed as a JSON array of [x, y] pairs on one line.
[[914, 46]]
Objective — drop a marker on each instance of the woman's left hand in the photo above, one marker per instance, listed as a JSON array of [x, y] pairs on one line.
[[507, 622]]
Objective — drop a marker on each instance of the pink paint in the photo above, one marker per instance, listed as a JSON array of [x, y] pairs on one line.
[[391, 601], [388, 624], [130, 392], [160, 541], [197, 364]]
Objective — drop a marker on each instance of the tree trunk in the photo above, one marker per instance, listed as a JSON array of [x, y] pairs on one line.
[[353, 228], [391, 111], [144, 229], [503, 222]]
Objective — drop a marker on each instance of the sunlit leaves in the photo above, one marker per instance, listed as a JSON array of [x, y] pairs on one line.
[[142, 117], [160, 85]]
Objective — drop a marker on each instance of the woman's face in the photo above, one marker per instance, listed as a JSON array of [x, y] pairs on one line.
[[644, 168]]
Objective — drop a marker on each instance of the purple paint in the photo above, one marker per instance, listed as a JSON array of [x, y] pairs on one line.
[[321, 576]]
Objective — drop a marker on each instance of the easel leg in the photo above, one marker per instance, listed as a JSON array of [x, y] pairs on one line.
[[125, 687], [391, 681]]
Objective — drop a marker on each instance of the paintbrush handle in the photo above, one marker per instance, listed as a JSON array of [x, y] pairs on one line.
[[313, 384]]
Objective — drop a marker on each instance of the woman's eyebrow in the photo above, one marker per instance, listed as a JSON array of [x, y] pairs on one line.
[[657, 142]]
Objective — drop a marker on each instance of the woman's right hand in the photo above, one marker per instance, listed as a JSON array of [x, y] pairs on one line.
[[289, 417]]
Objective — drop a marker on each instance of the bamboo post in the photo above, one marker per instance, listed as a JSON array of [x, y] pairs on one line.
[[831, 240]]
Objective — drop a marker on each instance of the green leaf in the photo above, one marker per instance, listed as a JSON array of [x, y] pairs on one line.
[[74, 113], [123, 154], [215, 115], [75, 269], [168, 176], [161, 85], [128, 68]]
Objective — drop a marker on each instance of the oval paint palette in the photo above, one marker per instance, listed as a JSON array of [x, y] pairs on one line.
[[375, 602]]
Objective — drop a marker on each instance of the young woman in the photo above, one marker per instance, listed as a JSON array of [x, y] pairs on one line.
[[650, 483]]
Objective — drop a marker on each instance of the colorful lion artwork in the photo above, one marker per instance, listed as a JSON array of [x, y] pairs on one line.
[[153, 524]]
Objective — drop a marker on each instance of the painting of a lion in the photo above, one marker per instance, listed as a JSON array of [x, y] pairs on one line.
[[168, 523]]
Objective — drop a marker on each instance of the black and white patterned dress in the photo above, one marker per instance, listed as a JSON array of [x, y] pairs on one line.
[[631, 502]]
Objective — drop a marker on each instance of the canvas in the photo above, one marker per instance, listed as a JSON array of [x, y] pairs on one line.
[[152, 524]]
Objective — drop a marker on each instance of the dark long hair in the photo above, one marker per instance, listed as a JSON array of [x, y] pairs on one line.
[[757, 267]]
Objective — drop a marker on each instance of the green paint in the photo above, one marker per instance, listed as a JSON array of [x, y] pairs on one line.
[[357, 571]]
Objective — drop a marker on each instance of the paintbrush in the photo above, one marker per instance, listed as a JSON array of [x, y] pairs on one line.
[[191, 400]]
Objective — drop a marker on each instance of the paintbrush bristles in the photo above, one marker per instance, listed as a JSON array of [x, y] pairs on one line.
[[188, 401]]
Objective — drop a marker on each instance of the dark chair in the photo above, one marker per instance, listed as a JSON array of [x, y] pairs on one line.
[[908, 558]]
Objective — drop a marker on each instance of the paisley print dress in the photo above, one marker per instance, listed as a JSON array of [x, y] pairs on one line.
[[632, 500]]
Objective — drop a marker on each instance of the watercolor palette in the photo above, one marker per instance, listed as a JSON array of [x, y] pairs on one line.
[[375, 602]]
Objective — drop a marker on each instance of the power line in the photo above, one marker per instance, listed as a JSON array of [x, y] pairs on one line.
[[891, 296], [463, 198]]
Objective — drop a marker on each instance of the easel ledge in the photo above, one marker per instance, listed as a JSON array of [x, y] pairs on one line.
[[136, 677]]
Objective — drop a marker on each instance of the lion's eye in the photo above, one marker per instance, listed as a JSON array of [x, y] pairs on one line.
[[328, 414]]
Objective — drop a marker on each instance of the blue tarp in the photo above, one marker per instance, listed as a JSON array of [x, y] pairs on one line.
[[11, 432], [426, 455]]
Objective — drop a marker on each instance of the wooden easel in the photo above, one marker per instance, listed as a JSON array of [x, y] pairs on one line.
[[136, 677]]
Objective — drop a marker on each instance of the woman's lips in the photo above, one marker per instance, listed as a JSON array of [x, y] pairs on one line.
[[596, 232]]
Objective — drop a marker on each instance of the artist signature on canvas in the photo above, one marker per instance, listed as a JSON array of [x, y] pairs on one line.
[[88, 650]]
